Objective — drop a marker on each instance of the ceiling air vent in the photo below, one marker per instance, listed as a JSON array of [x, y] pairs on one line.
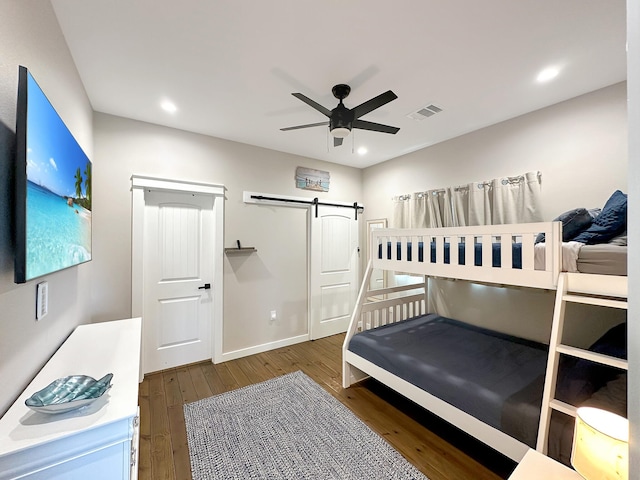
[[425, 112]]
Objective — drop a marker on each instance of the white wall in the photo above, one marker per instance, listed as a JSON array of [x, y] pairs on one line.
[[274, 278], [30, 36], [579, 145], [633, 78]]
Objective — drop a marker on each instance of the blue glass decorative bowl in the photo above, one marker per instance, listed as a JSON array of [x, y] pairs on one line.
[[68, 393]]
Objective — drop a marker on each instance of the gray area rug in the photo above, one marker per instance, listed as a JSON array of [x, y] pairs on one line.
[[286, 428]]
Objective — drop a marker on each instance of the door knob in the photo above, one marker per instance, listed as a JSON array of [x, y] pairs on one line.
[[206, 286]]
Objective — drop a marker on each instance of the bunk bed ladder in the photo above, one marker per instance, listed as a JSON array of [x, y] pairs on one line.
[[602, 290]]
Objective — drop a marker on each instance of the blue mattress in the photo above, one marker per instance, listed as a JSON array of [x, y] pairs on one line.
[[494, 377], [516, 253]]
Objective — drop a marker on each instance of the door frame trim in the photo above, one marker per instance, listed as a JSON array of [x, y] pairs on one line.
[[138, 184]]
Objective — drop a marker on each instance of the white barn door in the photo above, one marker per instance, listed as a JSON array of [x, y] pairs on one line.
[[334, 257]]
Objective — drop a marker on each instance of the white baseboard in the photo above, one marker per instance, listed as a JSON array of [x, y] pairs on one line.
[[265, 347]]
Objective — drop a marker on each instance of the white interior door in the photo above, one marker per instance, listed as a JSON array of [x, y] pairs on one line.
[[334, 256], [178, 276]]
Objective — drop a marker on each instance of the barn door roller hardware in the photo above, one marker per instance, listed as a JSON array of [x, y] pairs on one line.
[[315, 202]]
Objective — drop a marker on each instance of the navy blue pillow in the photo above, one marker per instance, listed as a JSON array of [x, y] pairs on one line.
[[611, 222], [573, 222]]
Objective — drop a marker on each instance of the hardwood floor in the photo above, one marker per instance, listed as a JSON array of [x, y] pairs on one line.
[[434, 447]]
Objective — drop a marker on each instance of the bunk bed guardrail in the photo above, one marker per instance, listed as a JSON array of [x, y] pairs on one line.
[[503, 254], [375, 308]]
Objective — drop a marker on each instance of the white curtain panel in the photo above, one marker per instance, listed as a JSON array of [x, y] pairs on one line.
[[480, 200], [516, 199], [434, 209], [460, 206], [446, 208], [502, 200], [401, 212], [419, 211]]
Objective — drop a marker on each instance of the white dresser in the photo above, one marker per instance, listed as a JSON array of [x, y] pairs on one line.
[[97, 442]]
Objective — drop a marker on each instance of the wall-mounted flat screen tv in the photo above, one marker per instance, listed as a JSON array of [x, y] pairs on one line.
[[53, 188]]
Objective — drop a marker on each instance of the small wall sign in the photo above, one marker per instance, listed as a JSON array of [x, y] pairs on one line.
[[310, 179]]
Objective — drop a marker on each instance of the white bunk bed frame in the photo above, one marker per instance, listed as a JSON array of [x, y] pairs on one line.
[[377, 307]]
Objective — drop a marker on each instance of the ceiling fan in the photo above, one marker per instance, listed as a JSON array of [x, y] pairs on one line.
[[343, 119]]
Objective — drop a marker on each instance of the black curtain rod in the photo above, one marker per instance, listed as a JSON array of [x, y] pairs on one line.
[[314, 202]]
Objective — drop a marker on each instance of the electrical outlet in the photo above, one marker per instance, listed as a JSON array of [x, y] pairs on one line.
[[274, 316], [42, 300]]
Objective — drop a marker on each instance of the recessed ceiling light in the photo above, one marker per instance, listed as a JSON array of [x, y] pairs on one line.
[[168, 106], [362, 150], [547, 74]]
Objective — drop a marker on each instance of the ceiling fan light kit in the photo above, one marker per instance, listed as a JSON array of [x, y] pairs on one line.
[[340, 132], [342, 119]]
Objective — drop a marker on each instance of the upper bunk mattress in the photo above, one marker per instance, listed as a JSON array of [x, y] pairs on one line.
[[603, 259], [491, 376]]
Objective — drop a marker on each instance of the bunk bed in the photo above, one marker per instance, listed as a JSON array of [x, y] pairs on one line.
[[491, 385]]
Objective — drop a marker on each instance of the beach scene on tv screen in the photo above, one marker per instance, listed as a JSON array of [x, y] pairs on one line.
[[58, 191]]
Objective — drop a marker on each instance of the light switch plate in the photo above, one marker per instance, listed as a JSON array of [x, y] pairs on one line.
[[42, 300]]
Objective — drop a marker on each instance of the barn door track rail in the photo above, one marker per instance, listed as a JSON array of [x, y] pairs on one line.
[[315, 202]]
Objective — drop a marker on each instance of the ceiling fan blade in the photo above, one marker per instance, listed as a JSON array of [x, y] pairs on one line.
[[325, 111], [374, 103], [375, 127], [337, 141], [305, 126]]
